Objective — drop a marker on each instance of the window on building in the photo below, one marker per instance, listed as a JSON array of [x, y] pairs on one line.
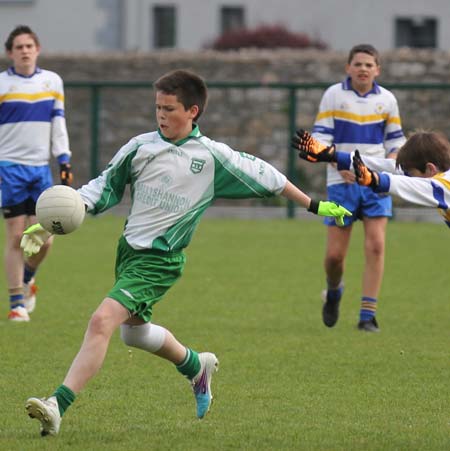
[[232, 18], [164, 26], [416, 32]]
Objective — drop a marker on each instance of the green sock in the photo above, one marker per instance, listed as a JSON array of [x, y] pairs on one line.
[[190, 366], [65, 397]]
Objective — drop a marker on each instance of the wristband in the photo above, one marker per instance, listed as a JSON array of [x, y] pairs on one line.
[[314, 206]]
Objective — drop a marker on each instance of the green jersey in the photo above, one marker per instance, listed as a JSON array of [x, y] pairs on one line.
[[172, 184]]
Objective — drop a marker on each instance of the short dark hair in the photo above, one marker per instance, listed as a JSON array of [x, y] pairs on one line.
[[189, 88], [364, 48], [20, 29], [424, 147]]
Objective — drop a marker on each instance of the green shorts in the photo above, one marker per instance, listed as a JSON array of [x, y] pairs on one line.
[[143, 277]]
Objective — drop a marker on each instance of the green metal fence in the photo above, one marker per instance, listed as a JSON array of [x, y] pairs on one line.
[[95, 88]]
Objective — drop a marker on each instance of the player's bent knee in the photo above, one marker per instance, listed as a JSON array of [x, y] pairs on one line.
[[149, 337], [98, 324]]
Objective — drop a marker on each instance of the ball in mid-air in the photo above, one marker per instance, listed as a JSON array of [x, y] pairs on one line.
[[60, 209]]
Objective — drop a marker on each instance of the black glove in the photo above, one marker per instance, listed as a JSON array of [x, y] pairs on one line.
[[312, 150], [65, 173], [364, 175]]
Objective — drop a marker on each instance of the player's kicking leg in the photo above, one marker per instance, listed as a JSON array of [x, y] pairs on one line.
[[198, 368]]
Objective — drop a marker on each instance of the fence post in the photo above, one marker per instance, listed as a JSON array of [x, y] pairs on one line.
[[292, 111], [95, 128]]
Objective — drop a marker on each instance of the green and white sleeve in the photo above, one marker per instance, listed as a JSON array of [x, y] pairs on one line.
[[240, 175], [107, 189]]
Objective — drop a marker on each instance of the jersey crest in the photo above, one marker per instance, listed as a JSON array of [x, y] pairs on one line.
[[197, 165]]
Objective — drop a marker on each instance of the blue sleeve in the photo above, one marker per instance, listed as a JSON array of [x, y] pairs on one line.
[[385, 183], [344, 160], [63, 158]]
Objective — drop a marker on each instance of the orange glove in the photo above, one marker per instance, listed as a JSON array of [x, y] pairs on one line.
[[312, 150], [65, 173], [364, 175]]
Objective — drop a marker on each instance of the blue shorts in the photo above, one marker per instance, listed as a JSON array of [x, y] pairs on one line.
[[360, 200], [21, 185]]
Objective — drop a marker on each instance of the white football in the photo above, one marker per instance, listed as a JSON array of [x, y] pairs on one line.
[[60, 209]]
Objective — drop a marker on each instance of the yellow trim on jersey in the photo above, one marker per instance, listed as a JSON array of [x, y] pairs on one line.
[[358, 117], [439, 177], [394, 120], [444, 213], [11, 96]]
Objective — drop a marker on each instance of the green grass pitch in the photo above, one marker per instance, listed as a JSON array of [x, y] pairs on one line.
[[251, 294]]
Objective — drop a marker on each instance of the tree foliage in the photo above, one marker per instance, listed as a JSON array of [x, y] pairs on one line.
[[266, 37]]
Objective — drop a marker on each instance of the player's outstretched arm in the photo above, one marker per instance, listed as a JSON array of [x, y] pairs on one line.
[[321, 207], [364, 175], [310, 149], [33, 239]]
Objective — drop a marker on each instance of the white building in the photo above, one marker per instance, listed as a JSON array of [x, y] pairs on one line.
[[144, 25]]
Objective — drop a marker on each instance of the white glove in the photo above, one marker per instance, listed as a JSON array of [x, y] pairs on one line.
[[33, 238]]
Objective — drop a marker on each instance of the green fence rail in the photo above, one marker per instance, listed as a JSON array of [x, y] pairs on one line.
[[95, 88]]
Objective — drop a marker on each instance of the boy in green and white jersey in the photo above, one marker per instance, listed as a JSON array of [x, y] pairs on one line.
[[174, 174]]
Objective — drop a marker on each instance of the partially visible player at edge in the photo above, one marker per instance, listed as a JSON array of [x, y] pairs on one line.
[[175, 173], [32, 125], [357, 113], [420, 174]]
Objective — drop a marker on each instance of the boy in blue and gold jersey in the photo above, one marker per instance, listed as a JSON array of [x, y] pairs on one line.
[[32, 127], [420, 174], [357, 113]]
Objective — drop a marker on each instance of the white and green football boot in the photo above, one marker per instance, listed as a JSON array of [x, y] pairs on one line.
[[201, 383]]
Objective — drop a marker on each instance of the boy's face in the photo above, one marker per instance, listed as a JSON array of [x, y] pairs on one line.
[[174, 121], [24, 54], [363, 69]]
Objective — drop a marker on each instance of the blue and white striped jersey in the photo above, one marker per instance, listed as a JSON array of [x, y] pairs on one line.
[[428, 192], [32, 122], [369, 123]]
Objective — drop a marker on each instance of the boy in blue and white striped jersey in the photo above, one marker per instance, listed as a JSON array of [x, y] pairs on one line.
[[420, 174], [357, 113], [32, 128]]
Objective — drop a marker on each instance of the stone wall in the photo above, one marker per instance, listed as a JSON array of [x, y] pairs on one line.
[[254, 120]]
